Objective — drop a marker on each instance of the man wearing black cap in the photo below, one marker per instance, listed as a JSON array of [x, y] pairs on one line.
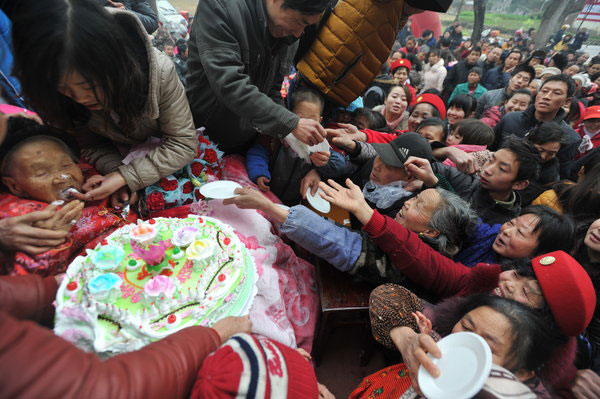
[[379, 169]]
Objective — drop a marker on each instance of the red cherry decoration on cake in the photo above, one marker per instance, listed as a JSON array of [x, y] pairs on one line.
[[152, 221], [227, 241], [221, 277], [72, 286], [104, 242], [171, 319]]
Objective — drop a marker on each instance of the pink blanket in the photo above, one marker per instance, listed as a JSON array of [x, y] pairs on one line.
[[287, 302]]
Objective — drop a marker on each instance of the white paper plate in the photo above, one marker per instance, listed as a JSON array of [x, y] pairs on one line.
[[219, 189], [465, 365], [317, 201]]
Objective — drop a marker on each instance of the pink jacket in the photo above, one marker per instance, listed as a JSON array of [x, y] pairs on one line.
[[491, 116]]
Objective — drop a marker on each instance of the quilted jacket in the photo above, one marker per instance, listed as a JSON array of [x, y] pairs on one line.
[[166, 115], [351, 47]]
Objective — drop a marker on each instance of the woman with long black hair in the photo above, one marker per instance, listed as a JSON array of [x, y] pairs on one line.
[[94, 73]]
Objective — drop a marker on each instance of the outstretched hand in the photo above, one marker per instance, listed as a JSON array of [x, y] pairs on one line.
[[309, 131], [347, 130], [249, 198], [350, 199], [420, 168]]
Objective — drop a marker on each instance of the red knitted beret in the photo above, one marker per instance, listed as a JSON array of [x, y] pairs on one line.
[[252, 366], [435, 101], [567, 289]]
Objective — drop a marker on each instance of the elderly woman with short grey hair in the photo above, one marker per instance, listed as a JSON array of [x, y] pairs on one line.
[[440, 218]]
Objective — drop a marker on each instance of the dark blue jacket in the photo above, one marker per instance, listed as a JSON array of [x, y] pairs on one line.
[[495, 79], [477, 248], [519, 123]]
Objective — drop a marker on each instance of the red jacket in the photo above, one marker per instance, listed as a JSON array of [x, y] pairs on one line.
[[444, 277], [36, 363], [373, 136], [96, 222]]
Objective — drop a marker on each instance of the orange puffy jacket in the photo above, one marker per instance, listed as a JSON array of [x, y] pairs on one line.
[[351, 47]]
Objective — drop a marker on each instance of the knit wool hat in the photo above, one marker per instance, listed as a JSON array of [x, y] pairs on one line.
[[567, 289], [252, 366], [435, 101]]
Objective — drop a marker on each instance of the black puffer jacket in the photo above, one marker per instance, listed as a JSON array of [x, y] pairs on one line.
[[235, 70]]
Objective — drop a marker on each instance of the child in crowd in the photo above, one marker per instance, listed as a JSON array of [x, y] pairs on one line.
[[39, 169], [433, 129], [459, 108], [272, 165], [364, 118], [106, 85], [518, 100], [472, 85], [471, 135], [169, 49]]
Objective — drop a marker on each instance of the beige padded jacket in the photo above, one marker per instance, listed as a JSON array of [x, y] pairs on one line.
[[167, 116]]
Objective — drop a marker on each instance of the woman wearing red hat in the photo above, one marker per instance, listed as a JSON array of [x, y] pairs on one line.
[[400, 70], [554, 282], [589, 131]]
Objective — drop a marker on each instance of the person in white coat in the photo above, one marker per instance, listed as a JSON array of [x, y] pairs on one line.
[[434, 72]]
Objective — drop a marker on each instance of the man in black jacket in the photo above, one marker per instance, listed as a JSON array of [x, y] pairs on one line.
[[555, 93], [239, 51], [459, 72]]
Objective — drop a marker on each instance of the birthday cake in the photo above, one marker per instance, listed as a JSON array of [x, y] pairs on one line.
[[151, 279]]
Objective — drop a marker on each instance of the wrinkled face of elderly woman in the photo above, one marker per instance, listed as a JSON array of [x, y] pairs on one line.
[[416, 213]]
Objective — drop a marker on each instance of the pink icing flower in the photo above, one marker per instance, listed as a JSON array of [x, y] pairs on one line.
[[160, 284], [154, 255]]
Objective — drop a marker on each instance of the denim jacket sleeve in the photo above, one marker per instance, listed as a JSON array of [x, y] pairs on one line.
[[338, 245], [347, 250]]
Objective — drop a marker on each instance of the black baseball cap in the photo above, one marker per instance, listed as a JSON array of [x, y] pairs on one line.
[[397, 151], [431, 5]]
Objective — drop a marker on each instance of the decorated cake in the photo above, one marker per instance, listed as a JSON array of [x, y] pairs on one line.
[[148, 280]]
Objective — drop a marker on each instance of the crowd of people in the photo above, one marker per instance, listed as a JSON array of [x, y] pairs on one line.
[[470, 170]]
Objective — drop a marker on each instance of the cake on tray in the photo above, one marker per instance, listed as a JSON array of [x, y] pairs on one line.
[[151, 279]]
